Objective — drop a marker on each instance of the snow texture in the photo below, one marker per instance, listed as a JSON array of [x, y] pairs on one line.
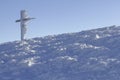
[[86, 55]]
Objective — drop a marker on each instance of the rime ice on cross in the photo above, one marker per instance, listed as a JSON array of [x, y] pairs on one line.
[[23, 19]]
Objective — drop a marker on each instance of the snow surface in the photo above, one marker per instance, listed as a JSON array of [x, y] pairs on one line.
[[86, 55]]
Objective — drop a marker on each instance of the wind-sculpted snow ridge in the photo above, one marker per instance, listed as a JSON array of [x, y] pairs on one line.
[[86, 55]]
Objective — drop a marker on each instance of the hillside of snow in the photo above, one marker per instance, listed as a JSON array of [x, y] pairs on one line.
[[87, 55]]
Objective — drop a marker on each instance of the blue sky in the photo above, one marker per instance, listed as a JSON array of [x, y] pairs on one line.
[[56, 16]]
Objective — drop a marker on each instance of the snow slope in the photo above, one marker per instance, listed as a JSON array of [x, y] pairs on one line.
[[86, 55]]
